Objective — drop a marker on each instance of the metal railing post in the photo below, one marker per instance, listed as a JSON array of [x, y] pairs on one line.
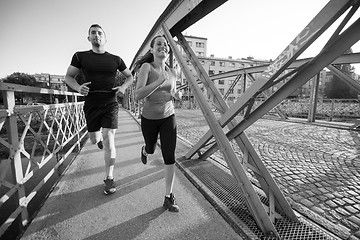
[[14, 153]]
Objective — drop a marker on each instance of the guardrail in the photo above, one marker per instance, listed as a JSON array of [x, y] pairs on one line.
[[340, 110], [35, 143]]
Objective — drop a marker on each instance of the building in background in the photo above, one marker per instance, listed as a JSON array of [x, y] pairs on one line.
[[215, 65], [55, 82]]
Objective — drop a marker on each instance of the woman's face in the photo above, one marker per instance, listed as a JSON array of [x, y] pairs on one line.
[[160, 48]]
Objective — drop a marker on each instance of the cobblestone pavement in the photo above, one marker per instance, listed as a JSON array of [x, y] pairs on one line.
[[316, 167]]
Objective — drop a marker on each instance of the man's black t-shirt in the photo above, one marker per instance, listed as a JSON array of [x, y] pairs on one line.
[[100, 70]]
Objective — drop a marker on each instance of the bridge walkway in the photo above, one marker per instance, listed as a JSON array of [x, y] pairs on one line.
[[78, 209]]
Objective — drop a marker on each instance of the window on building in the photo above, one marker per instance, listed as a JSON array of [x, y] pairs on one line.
[[200, 44], [221, 82], [201, 54], [232, 64], [231, 82], [239, 91], [221, 90], [222, 64], [202, 62], [211, 72], [212, 63], [231, 91], [221, 71], [190, 43]]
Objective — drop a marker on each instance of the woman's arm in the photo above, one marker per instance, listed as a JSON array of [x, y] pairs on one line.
[[142, 90]]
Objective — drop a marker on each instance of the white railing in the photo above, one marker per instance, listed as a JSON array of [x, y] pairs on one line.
[[35, 142]]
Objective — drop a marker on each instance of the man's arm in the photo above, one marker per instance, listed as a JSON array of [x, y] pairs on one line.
[[71, 81], [70, 78]]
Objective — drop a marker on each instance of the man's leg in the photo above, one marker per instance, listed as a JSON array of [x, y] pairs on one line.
[[109, 151], [95, 137], [109, 157]]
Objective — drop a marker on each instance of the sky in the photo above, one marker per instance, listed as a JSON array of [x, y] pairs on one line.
[[40, 36]]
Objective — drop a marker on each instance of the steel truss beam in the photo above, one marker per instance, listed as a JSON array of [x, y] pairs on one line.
[[347, 79], [342, 59], [302, 75], [178, 16], [259, 212]]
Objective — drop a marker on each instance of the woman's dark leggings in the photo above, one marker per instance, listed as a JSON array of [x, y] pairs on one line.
[[167, 129]]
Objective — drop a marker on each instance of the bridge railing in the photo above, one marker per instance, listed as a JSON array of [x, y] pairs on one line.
[[340, 110], [35, 142]]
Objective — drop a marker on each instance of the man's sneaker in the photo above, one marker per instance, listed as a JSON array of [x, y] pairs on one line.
[[144, 155], [109, 186], [169, 203], [100, 144]]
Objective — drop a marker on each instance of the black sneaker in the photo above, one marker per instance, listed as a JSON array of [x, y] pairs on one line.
[[143, 155], [109, 186], [100, 144], [169, 203]]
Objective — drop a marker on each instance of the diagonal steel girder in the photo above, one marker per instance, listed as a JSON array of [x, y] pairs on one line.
[[322, 21], [342, 43], [252, 199], [181, 14], [178, 16], [342, 59], [345, 78], [268, 185]]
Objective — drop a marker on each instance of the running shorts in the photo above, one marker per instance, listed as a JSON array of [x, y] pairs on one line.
[[101, 116]]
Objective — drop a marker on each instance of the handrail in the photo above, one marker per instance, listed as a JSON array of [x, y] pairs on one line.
[[32, 137], [29, 89]]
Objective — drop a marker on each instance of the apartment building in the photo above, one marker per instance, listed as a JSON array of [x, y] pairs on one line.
[[215, 65], [56, 82]]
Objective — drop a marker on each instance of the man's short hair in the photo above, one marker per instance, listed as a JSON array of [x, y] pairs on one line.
[[95, 25]]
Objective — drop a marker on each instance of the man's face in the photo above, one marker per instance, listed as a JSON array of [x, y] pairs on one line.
[[97, 37]]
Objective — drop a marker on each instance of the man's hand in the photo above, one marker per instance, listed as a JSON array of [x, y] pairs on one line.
[[84, 89]]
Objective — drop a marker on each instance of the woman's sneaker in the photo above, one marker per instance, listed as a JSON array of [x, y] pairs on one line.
[[109, 186], [144, 155], [170, 204]]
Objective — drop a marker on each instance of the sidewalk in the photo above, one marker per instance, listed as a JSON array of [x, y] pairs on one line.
[[78, 209]]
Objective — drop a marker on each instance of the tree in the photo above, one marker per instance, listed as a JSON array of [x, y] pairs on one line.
[[337, 88], [21, 79]]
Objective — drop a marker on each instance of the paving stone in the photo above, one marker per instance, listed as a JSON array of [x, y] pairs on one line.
[[355, 220], [318, 210], [351, 210], [312, 164]]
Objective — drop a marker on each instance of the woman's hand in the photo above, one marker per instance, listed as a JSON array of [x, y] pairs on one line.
[[164, 76], [178, 94], [119, 90]]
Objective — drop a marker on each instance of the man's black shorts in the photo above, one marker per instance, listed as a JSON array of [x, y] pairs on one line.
[[101, 115]]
